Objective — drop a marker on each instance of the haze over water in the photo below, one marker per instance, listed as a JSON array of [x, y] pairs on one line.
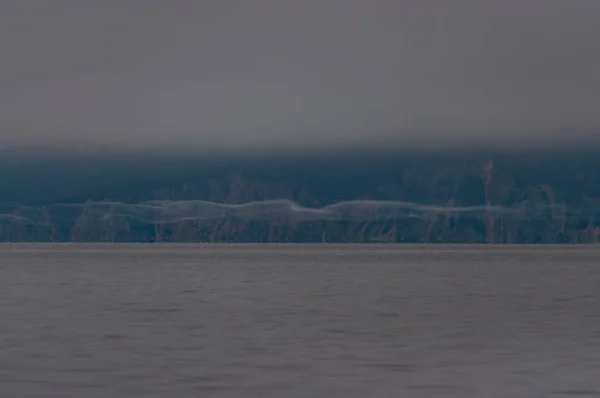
[[299, 321]]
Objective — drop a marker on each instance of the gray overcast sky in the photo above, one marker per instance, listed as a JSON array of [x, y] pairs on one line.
[[237, 74]]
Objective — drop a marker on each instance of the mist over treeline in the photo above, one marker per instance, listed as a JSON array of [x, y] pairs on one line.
[[385, 196], [41, 178]]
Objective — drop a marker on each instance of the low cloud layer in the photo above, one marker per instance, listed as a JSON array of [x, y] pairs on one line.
[[273, 74], [172, 212]]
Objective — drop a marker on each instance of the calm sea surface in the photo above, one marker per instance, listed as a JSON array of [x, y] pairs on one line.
[[299, 321]]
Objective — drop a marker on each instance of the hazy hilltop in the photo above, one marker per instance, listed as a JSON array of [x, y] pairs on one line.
[[524, 197]]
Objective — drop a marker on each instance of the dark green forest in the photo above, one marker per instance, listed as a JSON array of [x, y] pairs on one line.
[[516, 197]]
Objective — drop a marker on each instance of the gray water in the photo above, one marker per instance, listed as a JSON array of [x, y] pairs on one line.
[[299, 321]]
